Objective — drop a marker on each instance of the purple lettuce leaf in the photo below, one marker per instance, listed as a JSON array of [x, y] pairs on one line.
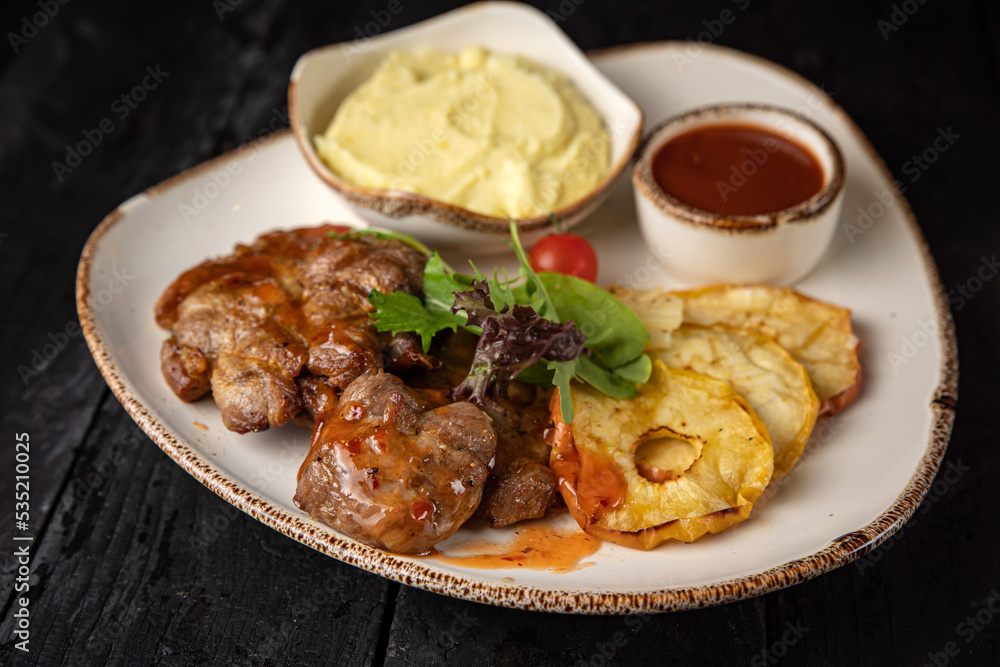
[[512, 340]]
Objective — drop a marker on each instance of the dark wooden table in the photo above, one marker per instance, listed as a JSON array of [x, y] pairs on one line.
[[116, 574]]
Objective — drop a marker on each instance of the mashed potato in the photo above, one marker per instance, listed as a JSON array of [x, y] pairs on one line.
[[492, 133]]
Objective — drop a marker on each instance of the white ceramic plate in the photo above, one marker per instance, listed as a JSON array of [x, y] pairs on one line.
[[865, 471]]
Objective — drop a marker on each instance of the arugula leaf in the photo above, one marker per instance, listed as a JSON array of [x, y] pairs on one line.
[[546, 308], [476, 273], [613, 331], [564, 371], [440, 285], [400, 312]]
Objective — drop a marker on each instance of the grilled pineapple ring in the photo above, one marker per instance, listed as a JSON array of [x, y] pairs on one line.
[[594, 459], [817, 334], [761, 371]]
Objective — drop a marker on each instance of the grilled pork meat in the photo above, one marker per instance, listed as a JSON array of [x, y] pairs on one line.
[[280, 331], [390, 469], [247, 325], [521, 485]]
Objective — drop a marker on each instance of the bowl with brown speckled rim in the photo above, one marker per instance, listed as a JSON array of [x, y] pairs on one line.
[[777, 248], [323, 77], [863, 474]]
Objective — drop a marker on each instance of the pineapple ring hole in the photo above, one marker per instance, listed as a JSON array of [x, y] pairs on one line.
[[663, 458]]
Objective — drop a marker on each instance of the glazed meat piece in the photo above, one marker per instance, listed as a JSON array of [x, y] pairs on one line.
[[318, 398], [247, 325], [403, 352], [391, 470], [336, 279], [277, 255], [240, 333], [521, 485]]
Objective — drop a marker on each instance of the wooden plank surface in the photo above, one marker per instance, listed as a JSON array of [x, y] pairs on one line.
[[135, 563]]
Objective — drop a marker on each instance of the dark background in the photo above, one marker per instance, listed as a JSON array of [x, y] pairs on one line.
[[115, 577]]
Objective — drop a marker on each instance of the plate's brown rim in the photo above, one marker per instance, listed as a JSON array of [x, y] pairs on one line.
[[413, 573]]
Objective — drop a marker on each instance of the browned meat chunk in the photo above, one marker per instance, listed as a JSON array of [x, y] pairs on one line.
[[336, 279], [521, 485], [393, 471], [318, 397], [186, 370], [247, 325], [280, 331], [404, 353]]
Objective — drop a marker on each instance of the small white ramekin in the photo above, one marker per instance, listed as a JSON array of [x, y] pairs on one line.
[[697, 247]]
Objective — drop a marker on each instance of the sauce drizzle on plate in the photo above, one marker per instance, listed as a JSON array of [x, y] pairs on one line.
[[536, 546]]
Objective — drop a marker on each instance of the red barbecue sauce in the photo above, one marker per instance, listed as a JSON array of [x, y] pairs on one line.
[[736, 170]]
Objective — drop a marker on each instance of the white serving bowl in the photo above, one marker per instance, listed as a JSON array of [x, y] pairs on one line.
[[698, 247], [322, 78]]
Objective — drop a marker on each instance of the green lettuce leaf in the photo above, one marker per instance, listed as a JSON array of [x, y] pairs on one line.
[[637, 371], [401, 312], [604, 380], [614, 332]]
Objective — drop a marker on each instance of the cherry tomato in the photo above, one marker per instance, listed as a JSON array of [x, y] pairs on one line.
[[564, 253]]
